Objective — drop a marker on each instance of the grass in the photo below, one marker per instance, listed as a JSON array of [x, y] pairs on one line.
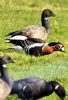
[[16, 14]]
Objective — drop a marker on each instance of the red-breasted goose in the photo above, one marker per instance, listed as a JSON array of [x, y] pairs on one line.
[[36, 31], [5, 82], [36, 88], [34, 46]]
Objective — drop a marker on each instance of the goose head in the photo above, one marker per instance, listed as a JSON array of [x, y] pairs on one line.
[[59, 89], [5, 60], [57, 46], [51, 47], [44, 18], [47, 13]]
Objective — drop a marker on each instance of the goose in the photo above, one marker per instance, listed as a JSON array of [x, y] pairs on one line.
[[36, 31], [5, 82], [34, 88], [34, 46]]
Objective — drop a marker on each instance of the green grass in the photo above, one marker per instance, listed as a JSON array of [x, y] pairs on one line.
[[15, 15]]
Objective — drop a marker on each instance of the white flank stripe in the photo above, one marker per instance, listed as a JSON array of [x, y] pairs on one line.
[[17, 47], [35, 45], [4, 66], [56, 87], [45, 44], [18, 37], [7, 41]]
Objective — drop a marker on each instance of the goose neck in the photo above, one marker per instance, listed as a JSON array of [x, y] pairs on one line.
[[4, 75], [54, 84], [47, 49], [45, 23]]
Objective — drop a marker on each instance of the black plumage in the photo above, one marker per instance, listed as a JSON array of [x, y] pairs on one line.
[[34, 46], [36, 88]]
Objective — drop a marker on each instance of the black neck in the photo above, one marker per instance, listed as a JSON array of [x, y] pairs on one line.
[[54, 84], [4, 75], [45, 23]]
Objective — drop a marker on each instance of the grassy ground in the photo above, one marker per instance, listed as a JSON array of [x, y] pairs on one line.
[[16, 14]]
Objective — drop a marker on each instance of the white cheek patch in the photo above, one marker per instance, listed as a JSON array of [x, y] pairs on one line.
[[56, 87], [18, 37], [4, 66], [62, 48], [24, 88]]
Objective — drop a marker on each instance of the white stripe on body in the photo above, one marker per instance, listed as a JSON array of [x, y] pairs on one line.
[[18, 37], [7, 41], [17, 47], [27, 48], [35, 45]]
